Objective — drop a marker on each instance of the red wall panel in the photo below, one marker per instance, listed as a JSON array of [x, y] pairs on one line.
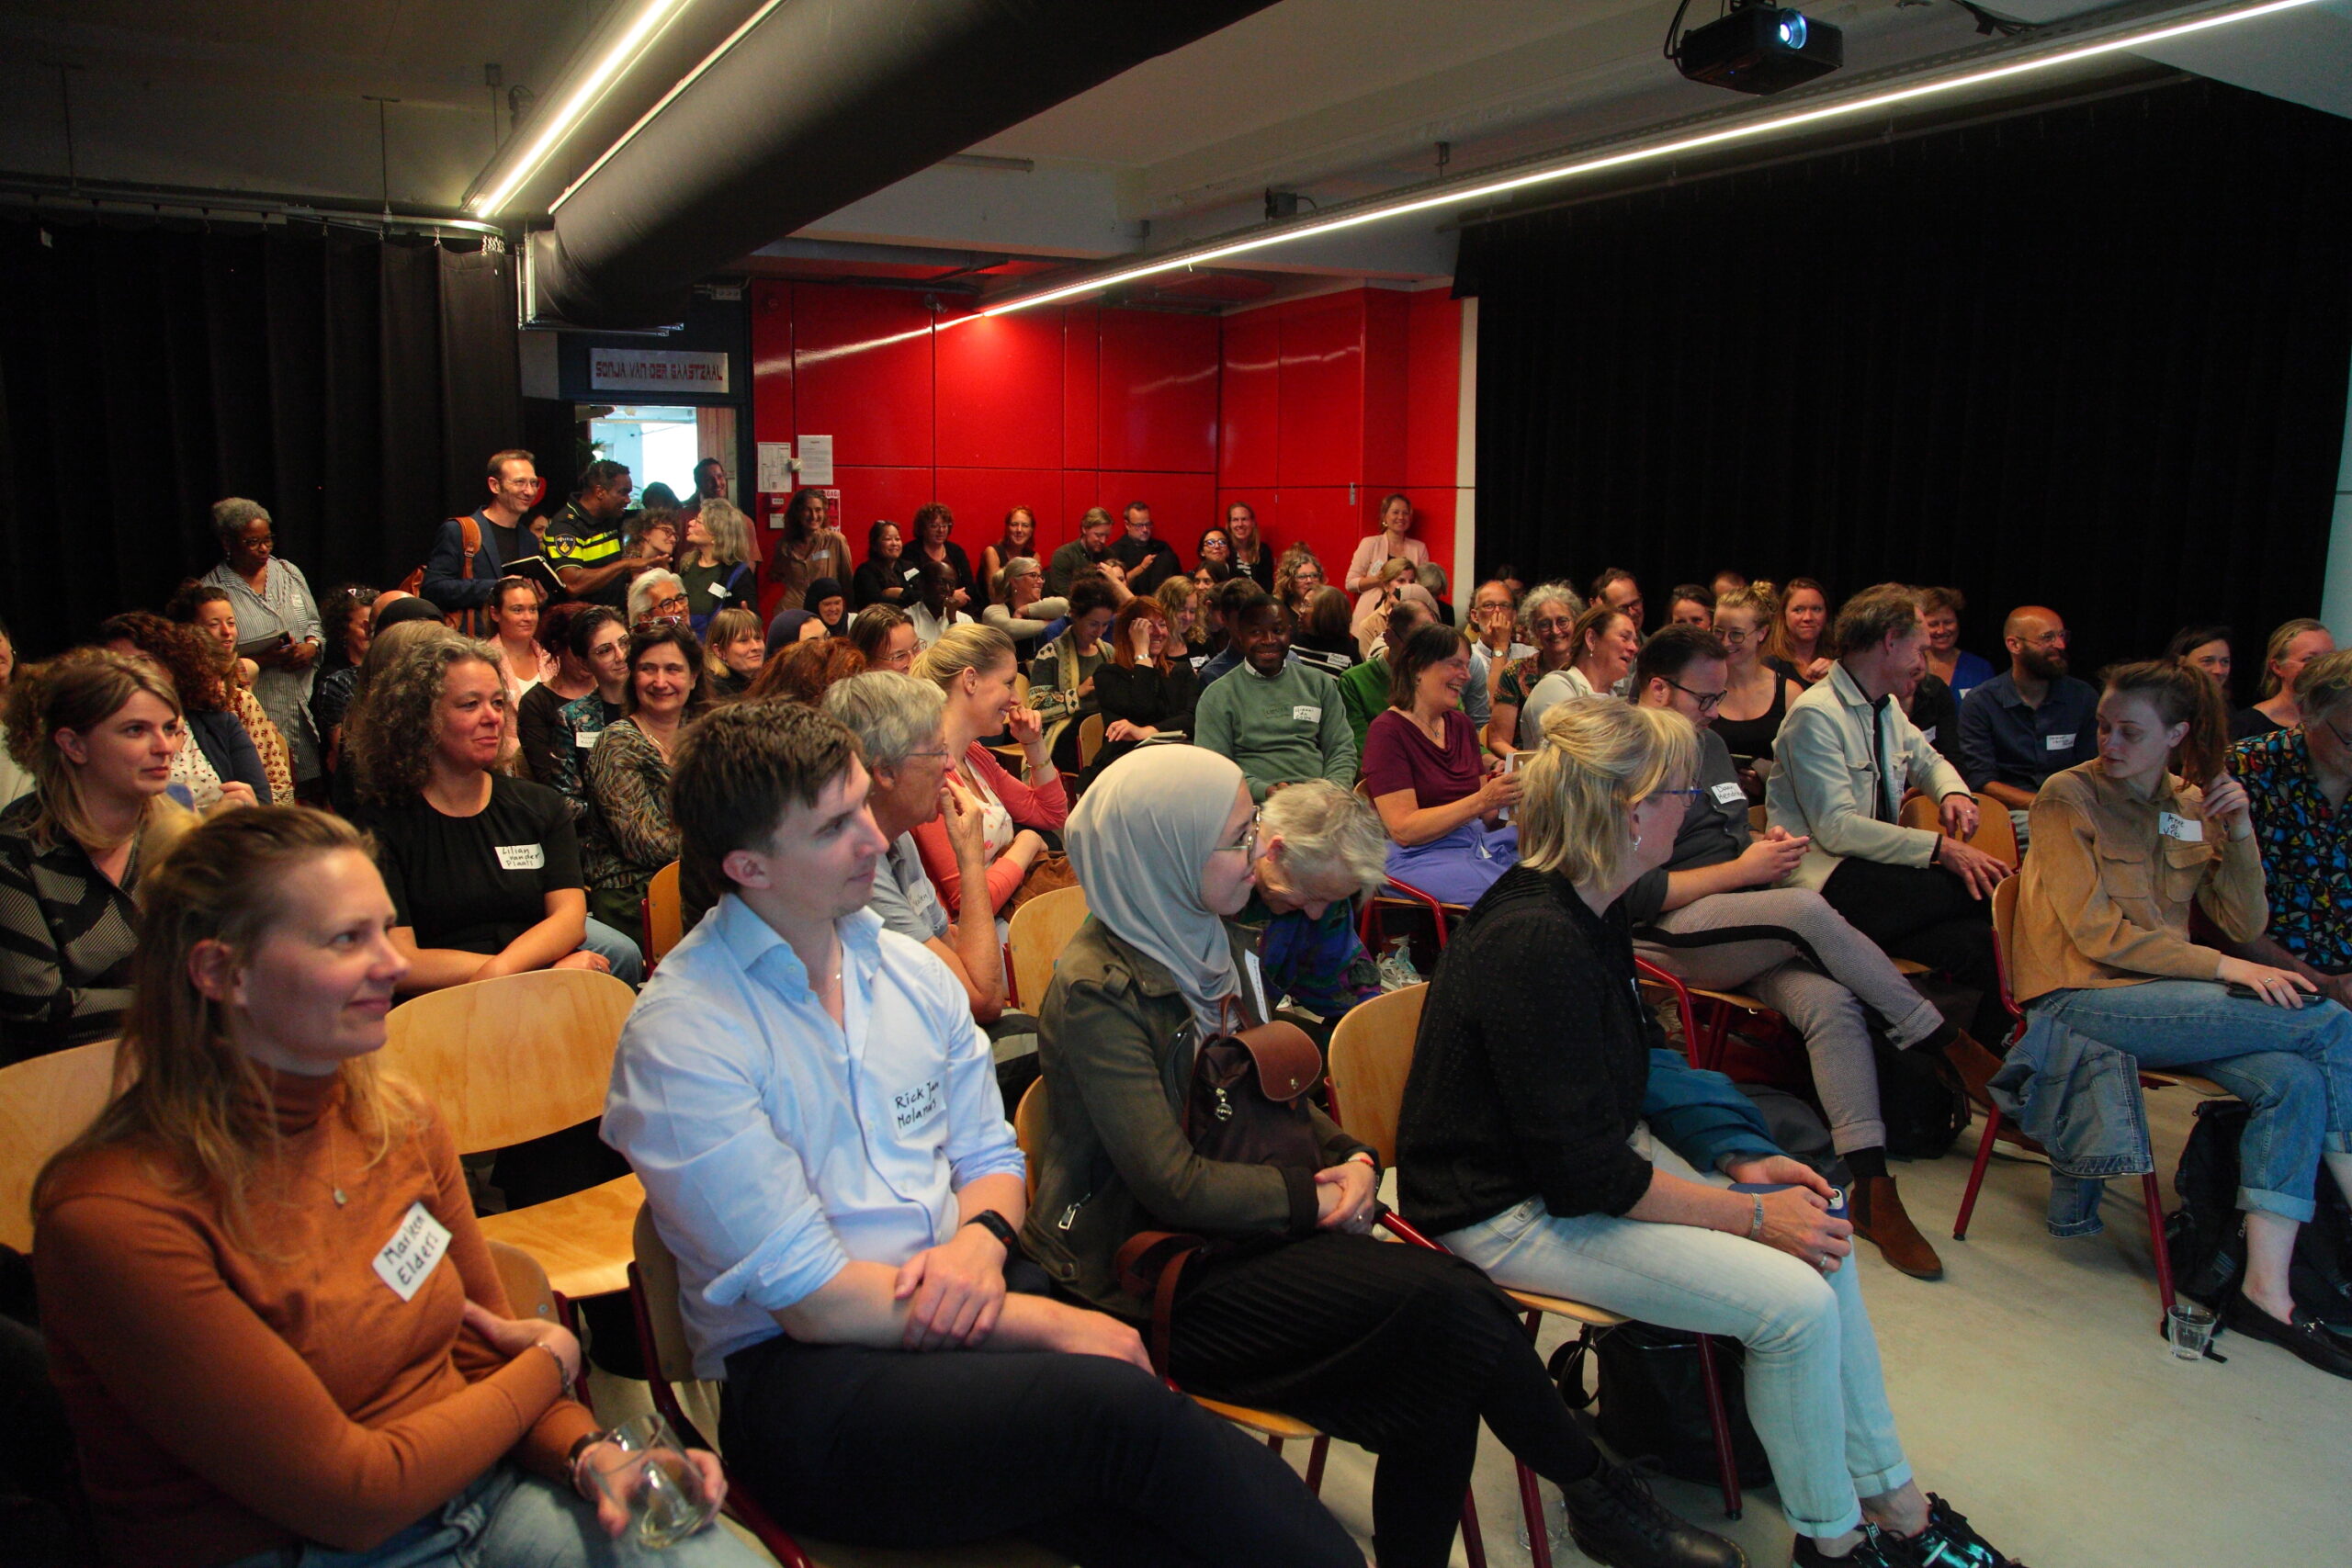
[[862, 359], [1249, 399], [1386, 374], [1433, 388], [1157, 393], [1321, 428], [980, 498], [869, 493], [1080, 490], [1000, 390], [1082, 383], [1182, 504]]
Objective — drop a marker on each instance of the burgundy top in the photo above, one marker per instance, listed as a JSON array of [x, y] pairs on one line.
[[1397, 755]]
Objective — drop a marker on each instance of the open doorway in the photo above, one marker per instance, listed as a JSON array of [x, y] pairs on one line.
[[658, 445]]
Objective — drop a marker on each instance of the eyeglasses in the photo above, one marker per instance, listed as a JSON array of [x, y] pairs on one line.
[[2047, 639], [1733, 635], [670, 605], [1248, 842], [1695, 793], [1708, 701]]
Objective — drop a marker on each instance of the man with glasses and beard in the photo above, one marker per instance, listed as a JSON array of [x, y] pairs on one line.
[[2021, 727]]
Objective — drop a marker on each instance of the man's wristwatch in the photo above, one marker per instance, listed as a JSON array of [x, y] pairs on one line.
[[997, 1225]]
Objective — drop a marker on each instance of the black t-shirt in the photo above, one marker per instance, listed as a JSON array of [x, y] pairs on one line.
[[477, 883], [1715, 829]]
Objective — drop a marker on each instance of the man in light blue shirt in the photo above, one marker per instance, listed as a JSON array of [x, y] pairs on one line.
[[815, 1116]]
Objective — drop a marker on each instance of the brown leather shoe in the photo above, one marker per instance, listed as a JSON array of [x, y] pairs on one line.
[[1973, 1063], [1876, 1209]]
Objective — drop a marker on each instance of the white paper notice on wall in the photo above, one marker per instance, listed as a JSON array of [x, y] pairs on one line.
[[775, 468], [817, 460]]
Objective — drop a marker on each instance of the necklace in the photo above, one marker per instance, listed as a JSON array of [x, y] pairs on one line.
[[335, 1170]]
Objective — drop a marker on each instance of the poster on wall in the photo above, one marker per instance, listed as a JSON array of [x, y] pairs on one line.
[[776, 467], [817, 460], [656, 370]]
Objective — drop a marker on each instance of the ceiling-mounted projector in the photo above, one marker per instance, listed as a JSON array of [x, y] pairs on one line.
[[1755, 48]]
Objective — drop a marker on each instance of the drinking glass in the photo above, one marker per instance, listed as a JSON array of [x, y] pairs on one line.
[[2190, 1329], [648, 1472]]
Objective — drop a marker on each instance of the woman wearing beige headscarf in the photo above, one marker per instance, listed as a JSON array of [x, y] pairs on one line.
[[1296, 1307]]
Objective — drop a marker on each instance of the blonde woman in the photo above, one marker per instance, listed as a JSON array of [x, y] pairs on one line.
[[2295, 644], [974, 666], [1392, 540], [1297, 577], [1549, 1136], [1252, 556], [1756, 696], [717, 563], [1801, 647], [241, 1384], [733, 650]]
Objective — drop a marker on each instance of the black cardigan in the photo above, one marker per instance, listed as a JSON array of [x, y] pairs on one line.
[[1531, 1064]]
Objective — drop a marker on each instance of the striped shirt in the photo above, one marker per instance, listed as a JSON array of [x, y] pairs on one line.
[[66, 937], [577, 539]]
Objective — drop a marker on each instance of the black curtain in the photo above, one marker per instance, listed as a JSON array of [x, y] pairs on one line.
[[352, 384], [2093, 358]]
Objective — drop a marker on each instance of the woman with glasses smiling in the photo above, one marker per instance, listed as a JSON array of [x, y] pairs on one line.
[[1756, 696], [658, 596], [1549, 613]]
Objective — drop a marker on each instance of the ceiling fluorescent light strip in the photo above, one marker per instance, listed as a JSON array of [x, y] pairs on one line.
[[1474, 189], [625, 48]]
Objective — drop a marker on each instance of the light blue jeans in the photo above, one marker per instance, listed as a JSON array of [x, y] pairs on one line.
[[2291, 1065], [510, 1518], [1814, 1391], [621, 953]]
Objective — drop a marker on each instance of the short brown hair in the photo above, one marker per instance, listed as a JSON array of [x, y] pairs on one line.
[[1882, 609], [498, 461], [1433, 644], [802, 672], [1942, 600], [739, 769]]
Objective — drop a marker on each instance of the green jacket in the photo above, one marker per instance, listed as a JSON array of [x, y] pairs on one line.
[[1116, 1042], [1363, 691], [1280, 728]]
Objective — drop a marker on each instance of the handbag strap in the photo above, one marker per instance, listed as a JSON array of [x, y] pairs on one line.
[[1149, 1264]]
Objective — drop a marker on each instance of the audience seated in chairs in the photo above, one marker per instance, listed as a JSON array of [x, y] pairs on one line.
[[1548, 1135], [1495, 647], [812, 1109], [1324, 639], [1144, 696], [831, 605], [1223, 606], [1278, 719], [934, 607], [803, 672], [1297, 577], [1440, 797], [1091, 551], [2030, 722], [629, 834], [2103, 948], [225, 761], [733, 648], [243, 1385], [350, 622], [657, 595], [1608, 640], [1617, 589], [974, 667], [96, 732], [2296, 782], [1714, 916], [1363, 689], [1188, 638], [1403, 1350], [1018, 541], [1692, 604], [556, 745], [514, 618], [1548, 615], [1071, 659], [211, 612], [2295, 644], [483, 866], [2206, 648], [886, 576], [1755, 696], [1939, 610], [1801, 647], [1017, 607], [1320, 849], [1846, 753], [885, 637]]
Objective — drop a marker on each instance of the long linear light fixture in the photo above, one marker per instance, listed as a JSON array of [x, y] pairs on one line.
[[1473, 187], [554, 127]]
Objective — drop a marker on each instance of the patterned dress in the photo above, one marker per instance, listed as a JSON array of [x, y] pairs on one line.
[[284, 605], [2306, 849]]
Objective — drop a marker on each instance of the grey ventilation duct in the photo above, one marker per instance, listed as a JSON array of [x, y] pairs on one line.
[[824, 102]]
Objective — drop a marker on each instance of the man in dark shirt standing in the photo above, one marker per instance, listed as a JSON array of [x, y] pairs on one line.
[[514, 485], [1711, 917], [586, 546], [1149, 561], [2034, 720], [710, 480]]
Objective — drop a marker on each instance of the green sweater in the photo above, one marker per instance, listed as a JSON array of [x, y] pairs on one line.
[[1280, 728], [1363, 691]]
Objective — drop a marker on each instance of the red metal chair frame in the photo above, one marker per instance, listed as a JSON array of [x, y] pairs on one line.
[[1372, 925]]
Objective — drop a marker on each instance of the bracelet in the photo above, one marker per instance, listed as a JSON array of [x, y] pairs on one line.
[[580, 1446], [1756, 1225], [562, 1372]]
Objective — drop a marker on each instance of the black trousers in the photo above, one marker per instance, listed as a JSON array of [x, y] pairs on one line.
[[1086, 1456], [1926, 914]]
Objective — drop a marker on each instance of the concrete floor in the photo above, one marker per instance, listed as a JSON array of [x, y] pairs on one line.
[[2033, 1393]]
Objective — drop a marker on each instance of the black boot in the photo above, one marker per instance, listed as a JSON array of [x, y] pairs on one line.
[[1614, 1520]]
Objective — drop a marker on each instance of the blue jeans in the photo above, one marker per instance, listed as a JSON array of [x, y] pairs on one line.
[[512, 1520], [1459, 867], [618, 951], [1815, 1390], [2292, 1068]]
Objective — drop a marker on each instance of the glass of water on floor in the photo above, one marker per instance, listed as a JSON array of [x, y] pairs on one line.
[[2190, 1329], [648, 1472]]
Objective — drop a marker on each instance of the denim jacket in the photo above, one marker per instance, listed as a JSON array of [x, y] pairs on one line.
[[2080, 1099], [1701, 1116]]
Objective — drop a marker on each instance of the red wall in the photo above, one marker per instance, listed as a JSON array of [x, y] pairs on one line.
[[1066, 408]]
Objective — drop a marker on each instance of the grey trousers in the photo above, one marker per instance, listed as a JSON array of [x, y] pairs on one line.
[[1798, 956]]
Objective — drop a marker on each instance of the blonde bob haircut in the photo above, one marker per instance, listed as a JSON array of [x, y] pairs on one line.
[[1600, 758], [958, 648]]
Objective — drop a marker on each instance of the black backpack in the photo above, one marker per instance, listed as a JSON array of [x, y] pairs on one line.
[[2206, 1236], [1922, 1099], [1653, 1400]]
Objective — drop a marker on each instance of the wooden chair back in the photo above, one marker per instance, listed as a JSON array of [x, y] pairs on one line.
[[1040, 930], [2004, 918], [665, 913], [528, 1294], [1995, 834], [1029, 1128], [657, 1274], [514, 1058], [1090, 739], [1372, 1053], [46, 1103]]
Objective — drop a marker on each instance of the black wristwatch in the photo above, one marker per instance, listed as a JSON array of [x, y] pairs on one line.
[[997, 1225]]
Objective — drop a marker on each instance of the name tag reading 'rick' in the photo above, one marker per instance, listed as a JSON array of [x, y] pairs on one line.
[[414, 1251]]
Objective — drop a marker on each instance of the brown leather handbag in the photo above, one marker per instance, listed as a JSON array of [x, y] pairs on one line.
[[1247, 1105]]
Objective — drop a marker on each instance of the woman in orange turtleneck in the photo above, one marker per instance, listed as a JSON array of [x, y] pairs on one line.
[[243, 1373]]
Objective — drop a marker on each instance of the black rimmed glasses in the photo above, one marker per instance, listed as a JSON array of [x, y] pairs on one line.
[[1708, 701]]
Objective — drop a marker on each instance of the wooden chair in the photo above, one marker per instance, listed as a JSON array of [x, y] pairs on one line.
[[1372, 1056], [508, 1060], [1090, 739], [670, 1374], [1041, 929], [664, 915], [2004, 909], [1705, 1047], [46, 1103], [1995, 834], [528, 1294]]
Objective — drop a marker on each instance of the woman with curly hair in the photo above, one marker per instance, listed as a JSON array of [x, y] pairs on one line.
[[212, 614], [801, 673], [97, 731], [483, 867], [809, 550], [1296, 577], [224, 753], [629, 834]]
